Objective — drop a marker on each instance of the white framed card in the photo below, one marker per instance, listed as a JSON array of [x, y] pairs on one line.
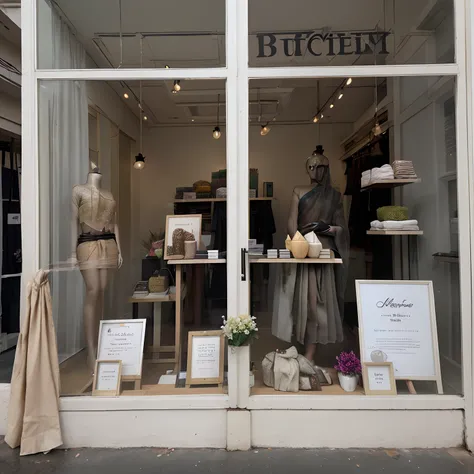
[[205, 358], [397, 323], [123, 339], [378, 378], [107, 378]]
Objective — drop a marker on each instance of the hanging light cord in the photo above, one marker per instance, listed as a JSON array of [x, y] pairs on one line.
[[141, 96], [218, 103], [120, 32]]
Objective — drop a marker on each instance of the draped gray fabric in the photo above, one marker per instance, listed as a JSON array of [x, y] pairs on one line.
[[311, 296]]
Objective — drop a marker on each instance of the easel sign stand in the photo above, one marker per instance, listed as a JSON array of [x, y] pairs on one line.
[[397, 323]]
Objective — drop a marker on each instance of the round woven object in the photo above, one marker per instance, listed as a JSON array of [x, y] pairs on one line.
[[392, 213]]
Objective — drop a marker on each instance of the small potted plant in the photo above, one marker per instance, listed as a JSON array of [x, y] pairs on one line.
[[239, 332], [348, 370]]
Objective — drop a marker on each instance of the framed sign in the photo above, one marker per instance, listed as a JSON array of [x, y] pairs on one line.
[[123, 339], [397, 323], [378, 378], [205, 358], [107, 378], [179, 229]]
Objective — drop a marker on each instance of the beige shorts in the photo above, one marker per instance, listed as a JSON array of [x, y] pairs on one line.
[[97, 254]]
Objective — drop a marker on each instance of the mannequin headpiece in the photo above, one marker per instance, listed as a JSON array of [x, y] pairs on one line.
[[317, 165]]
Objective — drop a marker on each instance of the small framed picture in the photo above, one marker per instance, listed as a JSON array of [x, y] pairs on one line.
[[107, 378], [179, 229], [378, 378], [205, 358]]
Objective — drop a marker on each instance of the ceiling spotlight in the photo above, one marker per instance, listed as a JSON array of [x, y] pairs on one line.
[[331, 106], [192, 120], [216, 133], [322, 115], [173, 91], [145, 117], [315, 119], [167, 66], [377, 130], [341, 95], [176, 86], [349, 81], [139, 162], [126, 96], [265, 130]]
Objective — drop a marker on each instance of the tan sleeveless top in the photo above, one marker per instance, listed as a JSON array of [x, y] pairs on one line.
[[95, 208]]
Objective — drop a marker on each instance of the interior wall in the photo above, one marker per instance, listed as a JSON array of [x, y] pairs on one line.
[[182, 155]]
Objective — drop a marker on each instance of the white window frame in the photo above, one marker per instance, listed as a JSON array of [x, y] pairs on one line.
[[237, 74]]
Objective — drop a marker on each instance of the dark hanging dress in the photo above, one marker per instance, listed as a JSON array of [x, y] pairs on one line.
[[311, 296]]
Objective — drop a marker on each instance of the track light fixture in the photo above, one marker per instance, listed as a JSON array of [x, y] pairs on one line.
[[349, 81], [265, 130], [125, 95]]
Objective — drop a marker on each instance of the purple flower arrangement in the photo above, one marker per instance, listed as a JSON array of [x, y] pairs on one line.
[[348, 364]]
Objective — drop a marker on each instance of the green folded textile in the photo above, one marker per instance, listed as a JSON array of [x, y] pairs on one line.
[[392, 213]]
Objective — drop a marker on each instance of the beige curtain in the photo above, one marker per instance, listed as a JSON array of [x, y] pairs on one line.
[[33, 412]]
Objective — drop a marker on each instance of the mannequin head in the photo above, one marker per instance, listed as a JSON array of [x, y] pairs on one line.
[[317, 166]]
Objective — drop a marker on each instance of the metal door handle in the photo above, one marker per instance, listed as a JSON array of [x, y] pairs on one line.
[[243, 264]]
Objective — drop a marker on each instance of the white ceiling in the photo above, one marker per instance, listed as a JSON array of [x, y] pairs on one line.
[[191, 33]]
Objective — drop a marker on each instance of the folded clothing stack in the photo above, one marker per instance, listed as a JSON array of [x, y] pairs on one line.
[[404, 169], [394, 225], [376, 174], [326, 253]]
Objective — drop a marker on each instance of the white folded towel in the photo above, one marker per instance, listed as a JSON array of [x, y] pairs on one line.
[[395, 225]]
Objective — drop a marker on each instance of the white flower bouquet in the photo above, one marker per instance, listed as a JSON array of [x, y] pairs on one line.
[[239, 330]]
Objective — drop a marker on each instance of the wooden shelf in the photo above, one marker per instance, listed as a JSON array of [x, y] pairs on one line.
[[195, 261], [294, 260], [389, 183], [394, 232], [178, 201]]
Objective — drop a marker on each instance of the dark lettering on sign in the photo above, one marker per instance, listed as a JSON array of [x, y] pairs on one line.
[[317, 44], [391, 303]]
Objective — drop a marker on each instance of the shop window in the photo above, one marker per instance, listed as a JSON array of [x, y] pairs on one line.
[[346, 127], [346, 33], [113, 33], [114, 173]]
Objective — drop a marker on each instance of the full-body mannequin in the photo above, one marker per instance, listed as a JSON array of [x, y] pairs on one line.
[[96, 276], [317, 207]]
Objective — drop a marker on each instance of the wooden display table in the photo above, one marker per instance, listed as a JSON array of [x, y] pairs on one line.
[[179, 300]]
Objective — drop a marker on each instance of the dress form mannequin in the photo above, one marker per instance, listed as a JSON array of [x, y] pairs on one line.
[[313, 294], [97, 250]]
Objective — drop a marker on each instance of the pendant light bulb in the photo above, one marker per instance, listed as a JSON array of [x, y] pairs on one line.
[[145, 117], [315, 119], [377, 130], [322, 115], [125, 95], [341, 95], [349, 81], [216, 133], [265, 130], [176, 86], [139, 162], [331, 106]]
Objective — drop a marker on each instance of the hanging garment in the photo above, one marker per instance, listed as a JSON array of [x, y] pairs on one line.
[[33, 411]]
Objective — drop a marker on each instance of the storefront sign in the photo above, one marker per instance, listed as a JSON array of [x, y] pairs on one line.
[[297, 44], [379, 378], [123, 339], [205, 358], [397, 323]]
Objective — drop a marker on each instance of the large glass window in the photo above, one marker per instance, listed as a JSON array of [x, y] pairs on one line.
[[404, 130], [190, 34], [104, 217], [347, 33]]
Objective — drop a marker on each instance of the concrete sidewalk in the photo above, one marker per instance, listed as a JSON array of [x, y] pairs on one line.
[[275, 461]]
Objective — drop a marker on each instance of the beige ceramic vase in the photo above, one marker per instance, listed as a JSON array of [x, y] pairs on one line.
[[299, 246]]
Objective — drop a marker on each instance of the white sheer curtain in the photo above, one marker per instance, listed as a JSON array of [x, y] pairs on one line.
[[64, 138]]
